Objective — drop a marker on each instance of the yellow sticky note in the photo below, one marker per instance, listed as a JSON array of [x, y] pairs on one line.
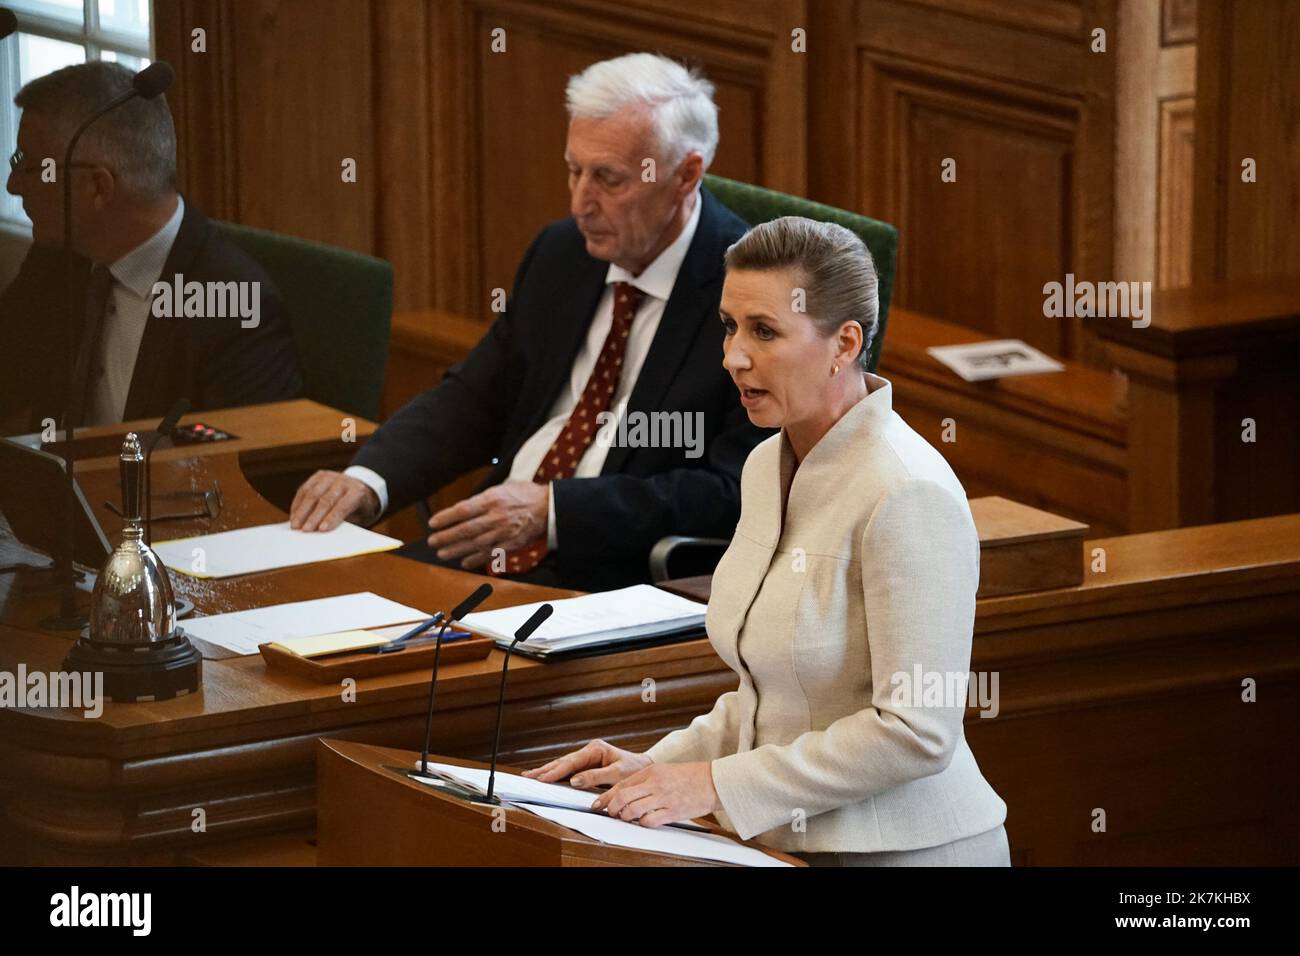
[[321, 644]]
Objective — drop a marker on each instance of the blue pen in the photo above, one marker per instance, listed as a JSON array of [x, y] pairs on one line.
[[397, 642], [420, 642]]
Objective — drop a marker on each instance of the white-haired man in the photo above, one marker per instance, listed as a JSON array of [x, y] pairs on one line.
[[614, 311]]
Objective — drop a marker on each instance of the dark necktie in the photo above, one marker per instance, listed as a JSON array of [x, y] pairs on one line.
[[566, 451], [98, 294]]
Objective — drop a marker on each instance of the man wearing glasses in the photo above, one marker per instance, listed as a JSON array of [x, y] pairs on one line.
[[82, 340]]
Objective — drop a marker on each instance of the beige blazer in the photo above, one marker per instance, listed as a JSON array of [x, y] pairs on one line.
[[825, 617]]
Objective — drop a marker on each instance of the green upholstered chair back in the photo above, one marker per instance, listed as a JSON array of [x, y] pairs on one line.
[[341, 308], [757, 205]]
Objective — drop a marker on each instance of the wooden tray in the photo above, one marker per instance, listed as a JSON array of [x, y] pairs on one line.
[[332, 669]]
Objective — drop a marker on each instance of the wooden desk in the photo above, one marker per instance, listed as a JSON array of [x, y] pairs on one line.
[[1121, 693], [277, 437], [123, 788], [424, 827], [1212, 357]]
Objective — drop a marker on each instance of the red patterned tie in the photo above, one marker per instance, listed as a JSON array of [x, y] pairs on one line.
[[576, 436]]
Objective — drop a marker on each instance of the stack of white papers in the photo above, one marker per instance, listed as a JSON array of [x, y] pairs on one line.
[[678, 842], [570, 807], [607, 617], [243, 631], [266, 547], [514, 788]]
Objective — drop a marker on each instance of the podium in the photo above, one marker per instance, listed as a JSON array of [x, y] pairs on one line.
[[370, 815]]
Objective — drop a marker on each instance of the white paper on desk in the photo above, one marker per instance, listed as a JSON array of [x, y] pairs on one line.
[[698, 846], [981, 361], [627, 613], [266, 547], [514, 788], [243, 631]]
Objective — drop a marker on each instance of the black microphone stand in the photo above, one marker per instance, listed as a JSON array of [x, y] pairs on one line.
[[481, 594], [524, 633]]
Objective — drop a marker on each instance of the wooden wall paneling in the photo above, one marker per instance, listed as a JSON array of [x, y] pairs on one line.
[[408, 101], [1155, 101], [284, 94], [976, 251], [202, 100], [1028, 115], [834, 165], [305, 101], [1174, 222], [1138, 125], [1247, 106], [1177, 22], [1092, 252]]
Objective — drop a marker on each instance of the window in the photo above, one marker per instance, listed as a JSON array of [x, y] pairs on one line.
[[53, 34]]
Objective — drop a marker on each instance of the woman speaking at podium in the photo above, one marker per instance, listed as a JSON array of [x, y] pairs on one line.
[[848, 586]]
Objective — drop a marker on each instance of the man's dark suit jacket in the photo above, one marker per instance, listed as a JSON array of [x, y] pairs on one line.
[[487, 406], [211, 361]]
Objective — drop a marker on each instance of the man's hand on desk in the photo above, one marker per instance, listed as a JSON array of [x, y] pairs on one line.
[[329, 498], [509, 516]]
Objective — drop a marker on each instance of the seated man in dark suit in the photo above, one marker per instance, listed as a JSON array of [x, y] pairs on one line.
[[88, 341], [614, 315]]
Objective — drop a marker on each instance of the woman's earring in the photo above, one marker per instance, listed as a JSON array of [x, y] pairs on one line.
[[835, 370]]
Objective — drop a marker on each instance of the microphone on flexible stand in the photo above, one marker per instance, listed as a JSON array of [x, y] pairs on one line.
[[480, 595], [165, 427], [524, 633], [147, 84]]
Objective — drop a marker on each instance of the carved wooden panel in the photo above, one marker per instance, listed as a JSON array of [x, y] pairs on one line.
[[1177, 22], [976, 250], [1247, 108], [1174, 192], [1026, 111]]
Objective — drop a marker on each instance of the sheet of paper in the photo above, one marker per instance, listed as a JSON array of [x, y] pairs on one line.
[[266, 547], [632, 610], [517, 789], [980, 361], [319, 645], [699, 846], [243, 631], [511, 786]]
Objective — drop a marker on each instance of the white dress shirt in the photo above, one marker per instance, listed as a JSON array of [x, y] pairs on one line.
[[656, 283], [125, 318]]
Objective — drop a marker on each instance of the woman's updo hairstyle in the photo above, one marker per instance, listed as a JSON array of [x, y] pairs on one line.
[[834, 265]]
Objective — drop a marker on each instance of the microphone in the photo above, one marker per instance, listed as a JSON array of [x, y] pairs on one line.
[[524, 633], [153, 80], [181, 406], [480, 595], [8, 22]]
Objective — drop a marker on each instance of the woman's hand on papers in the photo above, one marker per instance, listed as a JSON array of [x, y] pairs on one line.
[[662, 793], [595, 765], [328, 498]]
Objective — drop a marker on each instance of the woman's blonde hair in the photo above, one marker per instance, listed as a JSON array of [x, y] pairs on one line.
[[834, 265]]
